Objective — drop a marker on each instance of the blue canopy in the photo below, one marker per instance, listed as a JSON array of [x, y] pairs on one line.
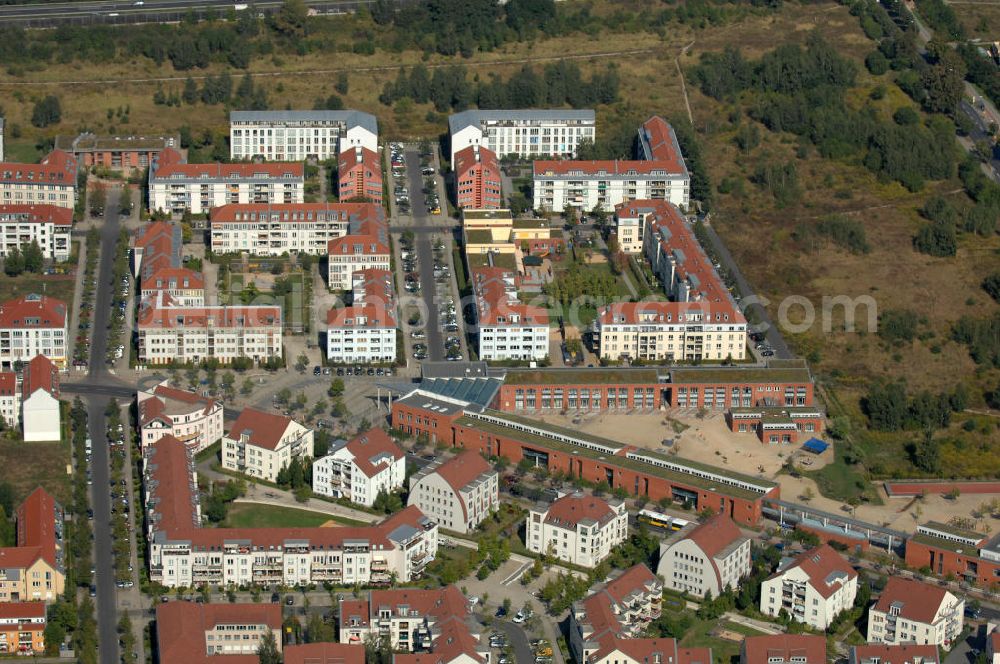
[[815, 445]]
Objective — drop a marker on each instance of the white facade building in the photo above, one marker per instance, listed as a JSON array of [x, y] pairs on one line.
[[10, 399], [705, 558], [300, 135], [51, 181], [260, 444], [364, 247], [48, 225], [361, 468], [194, 420], [508, 328], [577, 528], [40, 413], [33, 325], [458, 493], [366, 330], [812, 588], [914, 612], [528, 132]]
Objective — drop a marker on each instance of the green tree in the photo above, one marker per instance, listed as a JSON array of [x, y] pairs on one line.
[[13, 263], [46, 112], [290, 19], [268, 650], [991, 284]]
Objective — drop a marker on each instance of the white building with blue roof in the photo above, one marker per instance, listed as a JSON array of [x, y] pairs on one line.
[[530, 133]]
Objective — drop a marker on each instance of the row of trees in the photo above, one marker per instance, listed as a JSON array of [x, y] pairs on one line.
[[890, 408], [27, 258], [216, 90], [448, 88]]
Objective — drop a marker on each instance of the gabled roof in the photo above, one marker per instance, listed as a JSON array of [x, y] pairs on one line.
[[715, 535], [880, 653], [56, 168], [916, 601], [292, 212], [33, 312], [170, 164], [372, 449], [164, 402], [36, 214], [263, 429], [599, 608], [760, 649], [40, 374], [324, 653], [33, 611], [8, 384], [827, 570], [573, 509], [475, 155], [36, 525], [462, 469], [181, 627], [181, 278]]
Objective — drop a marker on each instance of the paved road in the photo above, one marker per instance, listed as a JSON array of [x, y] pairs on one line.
[[425, 255], [107, 617], [518, 641], [980, 132]]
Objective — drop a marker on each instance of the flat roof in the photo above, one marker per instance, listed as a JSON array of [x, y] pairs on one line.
[[942, 543], [481, 236], [741, 375], [426, 402], [85, 142], [474, 213], [595, 376], [349, 118], [506, 261], [476, 117], [531, 223]]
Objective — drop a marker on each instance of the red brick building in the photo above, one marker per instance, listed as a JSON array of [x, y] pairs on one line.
[[639, 472], [359, 176], [119, 153], [777, 425], [947, 550], [477, 178]]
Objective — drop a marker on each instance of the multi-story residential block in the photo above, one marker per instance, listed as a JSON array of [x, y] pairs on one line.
[[457, 493], [260, 444], [189, 417], [22, 628], [359, 176], [526, 133], [127, 154], [272, 230], [895, 654], [170, 333], [578, 528], [158, 246], [47, 225], [914, 612], [610, 620], [182, 553], [185, 287], [10, 399], [659, 173], [434, 624], [176, 186], [196, 633], [361, 468], [300, 135], [783, 649], [477, 178], [33, 325], [812, 588], [35, 569], [51, 181], [364, 247], [40, 412], [366, 330], [324, 653], [508, 329], [705, 558]]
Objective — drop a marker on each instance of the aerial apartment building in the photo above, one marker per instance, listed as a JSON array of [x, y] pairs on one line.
[[47, 225], [914, 612], [176, 186], [168, 332], [261, 444], [361, 468], [33, 325], [705, 558], [907, 653], [577, 528], [812, 588], [364, 331], [35, 569], [52, 181], [189, 417], [507, 328], [127, 154], [273, 230], [434, 625], [659, 173], [364, 247], [183, 554], [528, 133], [202, 633], [41, 419], [22, 628], [784, 649], [10, 399], [300, 135], [457, 493], [477, 178], [359, 176]]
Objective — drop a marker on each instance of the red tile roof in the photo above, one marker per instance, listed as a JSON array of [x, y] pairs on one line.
[[599, 608], [369, 315], [40, 374], [34, 312], [823, 566], [571, 509], [350, 163], [56, 168], [262, 428], [36, 524], [292, 212], [895, 654], [370, 240], [370, 446], [18, 557], [473, 156], [181, 627], [34, 611], [918, 602], [166, 317], [595, 168], [715, 534], [659, 135], [759, 649], [460, 470], [497, 304], [639, 650], [667, 313], [325, 653], [179, 278], [171, 163], [356, 609], [168, 401], [36, 214], [8, 384]]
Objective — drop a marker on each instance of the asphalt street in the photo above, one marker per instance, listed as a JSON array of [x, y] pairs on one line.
[[980, 132], [107, 618], [518, 641], [425, 255]]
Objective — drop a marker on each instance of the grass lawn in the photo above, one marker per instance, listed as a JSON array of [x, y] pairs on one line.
[[295, 305], [249, 515], [699, 636], [841, 481], [745, 630], [30, 465], [59, 286]]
